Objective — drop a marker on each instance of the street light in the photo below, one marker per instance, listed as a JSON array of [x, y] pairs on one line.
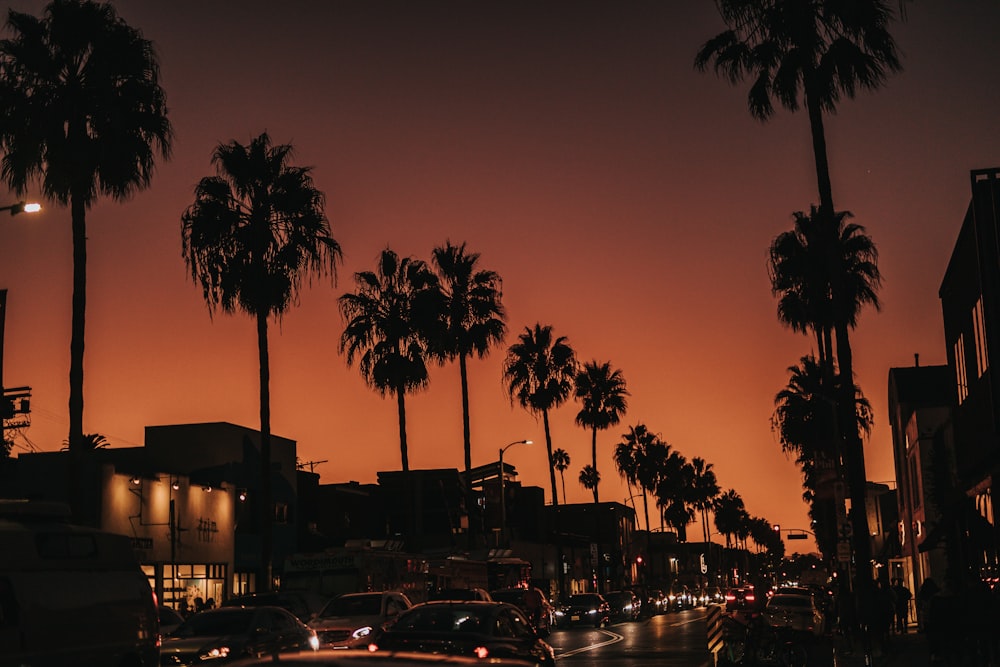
[[503, 496], [22, 207]]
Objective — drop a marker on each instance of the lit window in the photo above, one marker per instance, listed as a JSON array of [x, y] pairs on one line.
[[979, 330], [960, 376]]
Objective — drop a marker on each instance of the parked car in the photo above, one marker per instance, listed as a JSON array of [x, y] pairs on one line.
[[460, 594], [623, 606], [656, 603], [170, 619], [794, 611], [583, 609], [716, 596], [483, 629], [541, 613], [304, 604], [348, 621], [227, 633]]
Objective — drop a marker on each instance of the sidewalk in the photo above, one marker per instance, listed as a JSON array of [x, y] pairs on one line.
[[909, 650]]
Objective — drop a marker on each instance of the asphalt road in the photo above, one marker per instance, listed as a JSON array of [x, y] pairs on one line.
[[669, 640]]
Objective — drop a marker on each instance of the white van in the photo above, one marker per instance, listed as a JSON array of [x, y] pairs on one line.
[[71, 595]]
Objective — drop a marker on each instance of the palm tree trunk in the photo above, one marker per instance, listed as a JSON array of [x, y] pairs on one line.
[[467, 438], [266, 504], [593, 451], [645, 507], [819, 153], [401, 411], [562, 476], [79, 216], [548, 450]]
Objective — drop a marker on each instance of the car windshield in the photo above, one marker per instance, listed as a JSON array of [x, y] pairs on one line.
[[454, 594], [790, 601], [584, 599], [443, 618], [353, 605], [216, 624]]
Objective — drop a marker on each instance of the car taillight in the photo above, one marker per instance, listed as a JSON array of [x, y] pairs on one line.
[[372, 648], [482, 652], [750, 597]]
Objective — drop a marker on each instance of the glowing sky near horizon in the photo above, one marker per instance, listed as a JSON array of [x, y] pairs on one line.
[[626, 199]]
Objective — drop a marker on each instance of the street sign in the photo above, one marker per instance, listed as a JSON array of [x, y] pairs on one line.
[[844, 552], [796, 536]]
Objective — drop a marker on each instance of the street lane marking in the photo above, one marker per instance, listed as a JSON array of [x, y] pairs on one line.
[[614, 639]]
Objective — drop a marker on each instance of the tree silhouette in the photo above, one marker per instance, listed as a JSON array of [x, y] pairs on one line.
[[560, 459], [538, 373], [81, 111], [253, 233], [390, 317], [602, 392]]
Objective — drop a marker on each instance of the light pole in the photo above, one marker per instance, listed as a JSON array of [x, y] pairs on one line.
[[503, 493], [22, 207]]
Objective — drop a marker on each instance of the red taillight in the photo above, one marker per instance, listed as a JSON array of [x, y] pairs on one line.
[[750, 597], [372, 648], [482, 652], [730, 597]]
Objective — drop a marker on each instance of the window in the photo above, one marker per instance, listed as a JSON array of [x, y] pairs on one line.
[[960, 374], [979, 330]]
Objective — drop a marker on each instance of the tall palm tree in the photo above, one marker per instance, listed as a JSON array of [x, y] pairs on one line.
[[729, 510], [650, 466], [538, 373], [255, 230], [675, 492], [560, 460], [390, 319], [589, 479], [813, 51], [81, 111], [602, 392], [628, 455], [474, 317], [803, 53], [706, 490], [842, 279]]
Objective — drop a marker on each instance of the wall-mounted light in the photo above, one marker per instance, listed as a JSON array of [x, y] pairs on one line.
[[135, 481], [207, 488], [243, 495], [175, 485]]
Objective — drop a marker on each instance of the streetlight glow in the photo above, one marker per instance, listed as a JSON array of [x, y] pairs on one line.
[[22, 207], [32, 207]]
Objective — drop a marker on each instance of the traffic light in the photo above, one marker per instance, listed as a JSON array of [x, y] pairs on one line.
[[776, 528]]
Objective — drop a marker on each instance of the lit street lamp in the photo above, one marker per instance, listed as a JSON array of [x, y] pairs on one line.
[[503, 493], [22, 207]]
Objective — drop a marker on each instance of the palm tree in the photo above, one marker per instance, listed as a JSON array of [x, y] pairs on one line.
[[390, 319], [254, 231], [650, 467], [538, 373], [843, 278], [560, 459], [589, 479], [81, 111], [706, 490], [474, 317], [603, 395], [675, 492], [803, 52], [729, 511], [628, 454]]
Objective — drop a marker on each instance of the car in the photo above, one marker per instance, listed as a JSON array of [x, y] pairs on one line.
[[680, 598], [348, 620], [716, 596], [656, 603], [794, 611], [227, 633], [463, 594], [379, 659], [482, 629], [583, 609], [304, 604], [540, 612], [623, 605], [742, 599], [170, 619]]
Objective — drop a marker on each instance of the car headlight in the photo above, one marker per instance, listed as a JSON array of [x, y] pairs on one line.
[[560, 612], [314, 643], [592, 611], [215, 653], [361, 632]]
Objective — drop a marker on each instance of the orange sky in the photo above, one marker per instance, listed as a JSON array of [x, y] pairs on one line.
[[626, 200]]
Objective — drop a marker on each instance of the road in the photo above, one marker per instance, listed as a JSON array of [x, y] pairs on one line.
[[669, 640]]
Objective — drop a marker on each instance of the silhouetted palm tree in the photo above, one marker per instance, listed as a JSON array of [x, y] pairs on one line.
[[602, 392], [253, 233], [589, 479], [474, 317], [628, 454], [538, 373], [729, 511], [81, 111], [651, 463], [803, 52], [706, 490], [390, 317], [675, 492], [560, 460]]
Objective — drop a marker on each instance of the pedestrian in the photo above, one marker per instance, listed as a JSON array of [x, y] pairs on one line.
[[199, 605], [928, 589], [901, 598], [182, 608]]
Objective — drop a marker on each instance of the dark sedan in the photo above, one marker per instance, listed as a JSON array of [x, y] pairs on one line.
[[624, 605], [584, 609], [484, 630], [227, 633]]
